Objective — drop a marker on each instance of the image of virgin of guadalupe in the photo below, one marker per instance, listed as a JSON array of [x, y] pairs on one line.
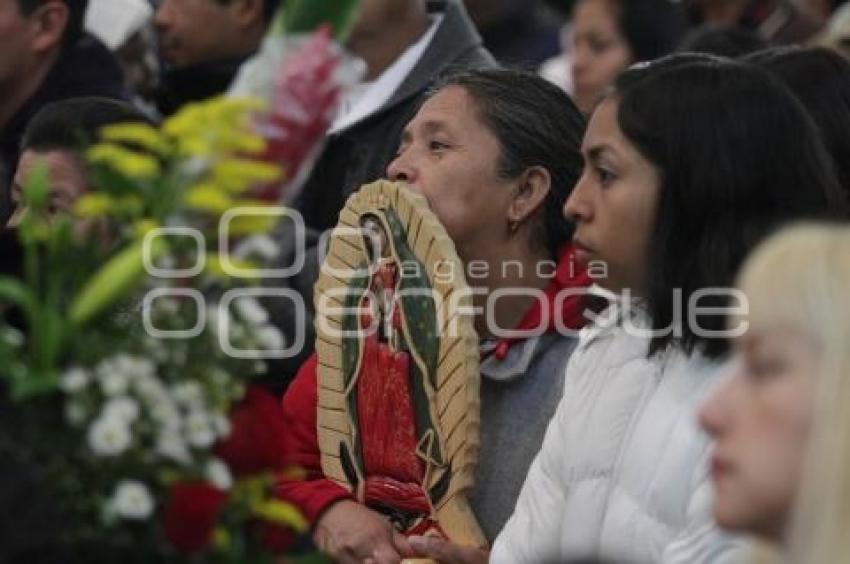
[[389, 371]]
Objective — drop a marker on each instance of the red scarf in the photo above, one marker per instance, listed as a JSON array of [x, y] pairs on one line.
[[568, 274]]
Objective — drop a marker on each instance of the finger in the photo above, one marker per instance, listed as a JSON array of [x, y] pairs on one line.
[[384, 553], [345, 557], [402, 546], [429, 546]]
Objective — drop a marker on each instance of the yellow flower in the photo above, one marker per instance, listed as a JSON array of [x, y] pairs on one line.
[[143, 227], [215, 126], [208, 197], [215, 268], [93, 205], [221, 539], [140, 134], [280, 513], [237, 175], [128, 163], [251, 224]]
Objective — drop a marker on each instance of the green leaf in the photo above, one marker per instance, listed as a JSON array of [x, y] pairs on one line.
[[304, 16], [37, 187], [25, 385], [113, 281], [13, 291]]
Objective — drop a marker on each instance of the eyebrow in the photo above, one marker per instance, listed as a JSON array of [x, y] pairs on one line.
[[596, 151], [430, 126]]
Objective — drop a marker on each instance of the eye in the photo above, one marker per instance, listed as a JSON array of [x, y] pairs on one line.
[[598, 46], [436, 145], [606, 177], [760, 367]]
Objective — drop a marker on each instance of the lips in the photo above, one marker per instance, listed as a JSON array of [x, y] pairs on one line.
[[583, 252], [720, 467]]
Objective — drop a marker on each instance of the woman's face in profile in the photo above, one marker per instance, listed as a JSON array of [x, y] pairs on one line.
[[600, 51], [449, 156], [759, 417], [614, 205]]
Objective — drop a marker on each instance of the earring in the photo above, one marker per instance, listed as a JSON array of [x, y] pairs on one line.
[[513, 227]]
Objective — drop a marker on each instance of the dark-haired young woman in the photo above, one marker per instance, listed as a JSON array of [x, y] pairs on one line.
[[609, 35], [688, 163]]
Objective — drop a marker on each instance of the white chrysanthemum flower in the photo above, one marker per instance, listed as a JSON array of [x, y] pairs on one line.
[[116, 372], [222, 426], [166, 262], [132, 500], [166, 306], [169, 444], [166, 414], [74, 380], [12, 337], [214, 317], [123, 408], [150, 389], [237, 332], [270, 338], [198, 429], [75, 413], [114, 383], [219, 376], [109, 436], [219, 475], [250, 311], [156, 349], [179, 355], [189, 394]]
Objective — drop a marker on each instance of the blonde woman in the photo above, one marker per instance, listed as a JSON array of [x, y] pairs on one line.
[[781, 418]]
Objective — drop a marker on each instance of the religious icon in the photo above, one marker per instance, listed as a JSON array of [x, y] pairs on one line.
[[398, 366]]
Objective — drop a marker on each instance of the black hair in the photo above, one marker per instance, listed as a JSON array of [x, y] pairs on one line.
[[74, 123], [820, 78], [725, 41], [738, 156], [652, 28], [536, 124], [269, 7], [76, 16]]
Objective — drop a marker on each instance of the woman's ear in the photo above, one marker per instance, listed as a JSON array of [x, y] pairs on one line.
[[47, 25], [529, 195], [248, 13]]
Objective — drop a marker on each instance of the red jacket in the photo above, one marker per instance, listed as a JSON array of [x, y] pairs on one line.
[[314, 493]]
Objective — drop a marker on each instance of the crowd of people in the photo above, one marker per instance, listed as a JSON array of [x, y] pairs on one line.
[[692, 158]]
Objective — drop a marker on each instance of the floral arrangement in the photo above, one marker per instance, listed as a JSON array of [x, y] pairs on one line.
[[124, 388]]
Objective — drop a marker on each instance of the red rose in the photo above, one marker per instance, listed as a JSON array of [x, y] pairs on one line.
[[191, 514], [274, 538], [257, 440]]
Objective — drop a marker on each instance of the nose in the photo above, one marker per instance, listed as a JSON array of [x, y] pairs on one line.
[[580, 62], [713, 414], [578, 207], [401, 169], [162, 16]]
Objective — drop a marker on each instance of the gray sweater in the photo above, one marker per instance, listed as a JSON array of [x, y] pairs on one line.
[[518, 397]]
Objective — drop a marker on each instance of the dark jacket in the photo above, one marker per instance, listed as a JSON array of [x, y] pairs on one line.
[[360, 154], [86, 69], [193, 83], [353, 157]]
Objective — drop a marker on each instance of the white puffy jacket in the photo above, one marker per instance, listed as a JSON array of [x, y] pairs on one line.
[[622, 474]]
